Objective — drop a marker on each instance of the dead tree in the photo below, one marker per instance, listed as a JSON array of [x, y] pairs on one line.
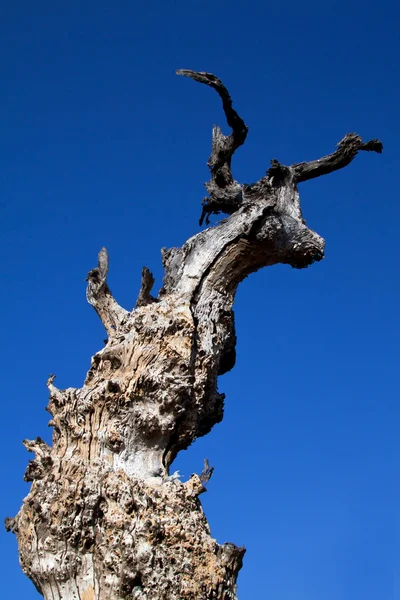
[[104, 519]]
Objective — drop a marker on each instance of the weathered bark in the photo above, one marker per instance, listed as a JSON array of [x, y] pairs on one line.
[[104, 519]]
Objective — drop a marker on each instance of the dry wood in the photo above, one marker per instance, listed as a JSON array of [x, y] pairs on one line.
[[104, 519]]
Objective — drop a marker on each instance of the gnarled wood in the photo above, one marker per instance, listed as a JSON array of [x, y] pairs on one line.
[[104, 518], [225, 193], [347, 150]]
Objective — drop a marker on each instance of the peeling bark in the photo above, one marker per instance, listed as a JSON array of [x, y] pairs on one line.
[[104, 519]]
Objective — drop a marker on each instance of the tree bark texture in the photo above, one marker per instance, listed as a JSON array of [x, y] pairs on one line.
[[104, 519]]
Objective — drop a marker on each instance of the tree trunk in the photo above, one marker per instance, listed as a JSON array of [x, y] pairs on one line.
[[104, 519]]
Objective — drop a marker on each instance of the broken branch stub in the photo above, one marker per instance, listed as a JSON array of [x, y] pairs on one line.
[[99, 296]]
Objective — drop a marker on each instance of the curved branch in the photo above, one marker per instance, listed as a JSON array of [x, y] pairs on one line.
[[236, 123], [225, 193], [347, 150], [99, 295]]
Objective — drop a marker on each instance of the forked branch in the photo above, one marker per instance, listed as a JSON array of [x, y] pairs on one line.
[[226, 194]]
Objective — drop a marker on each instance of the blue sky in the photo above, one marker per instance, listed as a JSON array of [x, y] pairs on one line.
[[103, 145]]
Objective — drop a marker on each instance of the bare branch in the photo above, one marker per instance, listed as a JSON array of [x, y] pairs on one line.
[[347, 150], [99, 296], [225, 193]]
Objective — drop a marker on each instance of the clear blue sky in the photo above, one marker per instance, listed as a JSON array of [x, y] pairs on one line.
[[102, 145]]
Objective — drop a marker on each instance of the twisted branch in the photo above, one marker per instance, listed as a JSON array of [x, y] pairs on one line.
[[225, 193], [347, 150]]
